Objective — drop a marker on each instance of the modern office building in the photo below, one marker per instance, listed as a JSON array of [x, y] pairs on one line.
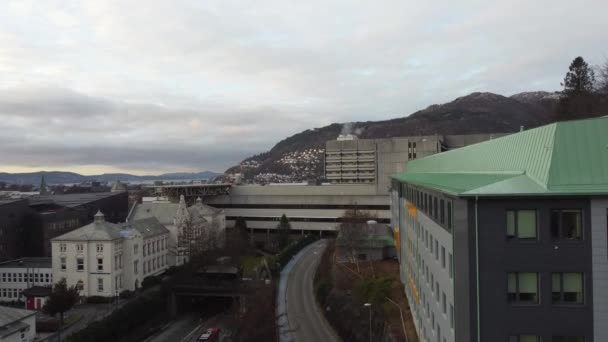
[[11, 228], [506, 240], [19, 275], [349, 160]]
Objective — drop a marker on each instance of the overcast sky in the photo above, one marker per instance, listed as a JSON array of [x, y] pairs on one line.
[[154, 86]]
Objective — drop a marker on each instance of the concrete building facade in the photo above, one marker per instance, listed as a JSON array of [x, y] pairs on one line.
[[21, 274], [104, 258], [373, 161], [506, 240]]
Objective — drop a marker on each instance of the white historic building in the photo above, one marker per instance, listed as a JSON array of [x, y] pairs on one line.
[[188, 226], [103, 258]]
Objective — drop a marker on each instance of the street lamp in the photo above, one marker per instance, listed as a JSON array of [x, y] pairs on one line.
[[369, 306]]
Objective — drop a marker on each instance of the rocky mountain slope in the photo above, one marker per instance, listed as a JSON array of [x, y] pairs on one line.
[[300, 156]]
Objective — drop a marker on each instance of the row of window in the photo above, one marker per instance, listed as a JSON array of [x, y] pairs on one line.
[[26, 277], [11, 293], [566, 288], [153, 264], [153, 246], [566, 224], [438, 209]]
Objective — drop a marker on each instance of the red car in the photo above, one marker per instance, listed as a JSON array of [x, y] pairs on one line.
[[211, 335]]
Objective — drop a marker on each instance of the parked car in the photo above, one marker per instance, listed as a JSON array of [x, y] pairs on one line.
[[210, 335]]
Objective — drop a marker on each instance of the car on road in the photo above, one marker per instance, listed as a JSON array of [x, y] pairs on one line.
[[210, 335]]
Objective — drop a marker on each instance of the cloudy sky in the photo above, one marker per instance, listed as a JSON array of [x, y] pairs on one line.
[[153, 86]]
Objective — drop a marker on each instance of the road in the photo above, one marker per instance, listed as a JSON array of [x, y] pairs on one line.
[[305, 319], [178, 329]]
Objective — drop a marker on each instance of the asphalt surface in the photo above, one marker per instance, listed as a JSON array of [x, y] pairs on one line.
[[305, 319], [178, 330]]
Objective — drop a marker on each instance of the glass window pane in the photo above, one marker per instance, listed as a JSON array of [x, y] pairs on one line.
[[528, 282], [510, 224], [573, 282], [556, 285], [571, 224], [526, 224]]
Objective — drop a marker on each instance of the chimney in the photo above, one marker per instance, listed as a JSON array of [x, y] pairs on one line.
[[99, 217]]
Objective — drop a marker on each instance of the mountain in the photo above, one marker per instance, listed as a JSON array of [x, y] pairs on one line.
[[61, 177], [300, 156]]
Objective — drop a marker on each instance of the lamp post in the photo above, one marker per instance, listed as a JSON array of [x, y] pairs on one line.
[[369, 306]]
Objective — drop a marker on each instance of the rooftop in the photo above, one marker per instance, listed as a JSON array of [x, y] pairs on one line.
[[98, 230], [71, 200], [149, 227], [27, 263], [564, 158], [10, 319]]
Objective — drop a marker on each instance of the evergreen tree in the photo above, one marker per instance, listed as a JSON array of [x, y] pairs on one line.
[[283, 232], [578, 100], [62, 299], [580, 78]]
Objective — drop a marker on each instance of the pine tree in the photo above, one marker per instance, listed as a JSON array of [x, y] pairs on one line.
[[580, 78], [578, 98], [283, 232]]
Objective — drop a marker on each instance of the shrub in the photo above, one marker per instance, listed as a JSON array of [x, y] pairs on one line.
[[280, 260], [322, 289], [374, 290]]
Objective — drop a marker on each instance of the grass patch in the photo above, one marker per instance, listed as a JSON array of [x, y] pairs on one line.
[[249, 263]]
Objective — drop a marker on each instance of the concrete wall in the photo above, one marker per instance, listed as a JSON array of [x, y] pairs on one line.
[[322, 204], [599, 251]]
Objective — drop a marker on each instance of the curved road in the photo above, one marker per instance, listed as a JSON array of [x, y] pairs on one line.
[[306, 321]]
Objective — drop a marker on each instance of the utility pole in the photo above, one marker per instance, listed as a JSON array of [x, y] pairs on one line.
[[369, 306]]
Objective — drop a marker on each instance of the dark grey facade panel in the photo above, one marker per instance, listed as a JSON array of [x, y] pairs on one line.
[[497, 256], [464, 273]]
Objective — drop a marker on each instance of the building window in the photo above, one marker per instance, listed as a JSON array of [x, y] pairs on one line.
[[451, 265], [135, 249], [99, 264], [80, 285], [522, 287], [566, 224], [442, 211], [452, 316], [135, 266], [444, 304], [99, 247], [63, 263], [449, 215], [568, 339], [521, 224], [79, 264], [99, 284], [62, 247], [524, 338], [436, 249], [567, 288], [79, 247], [443, 257]]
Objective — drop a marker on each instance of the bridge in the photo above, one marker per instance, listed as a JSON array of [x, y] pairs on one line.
[[191, 191]]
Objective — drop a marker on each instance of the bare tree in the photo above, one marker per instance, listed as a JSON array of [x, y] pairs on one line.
[[602, 84], [352, 231]]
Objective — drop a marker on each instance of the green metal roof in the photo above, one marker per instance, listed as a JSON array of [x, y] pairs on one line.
[[561, 158]]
